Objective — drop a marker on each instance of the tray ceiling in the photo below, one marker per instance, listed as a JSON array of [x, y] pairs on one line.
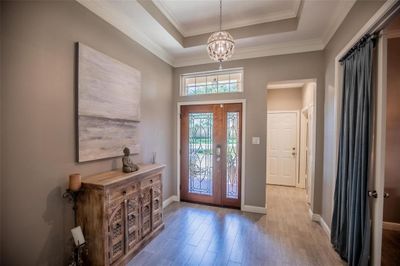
[[198, 17], [177, 30]]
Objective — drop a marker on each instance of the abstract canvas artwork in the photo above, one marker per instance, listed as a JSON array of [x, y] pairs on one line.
[[108, 106]]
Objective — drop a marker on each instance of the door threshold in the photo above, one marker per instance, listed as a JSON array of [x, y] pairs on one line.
[[281, 185], [212, 205]]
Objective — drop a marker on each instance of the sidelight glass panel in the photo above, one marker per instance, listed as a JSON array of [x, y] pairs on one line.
[[200, 153], [232, 154]]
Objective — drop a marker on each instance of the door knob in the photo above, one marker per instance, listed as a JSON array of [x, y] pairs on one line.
[[386, 195], [293, 153], [372, 194]]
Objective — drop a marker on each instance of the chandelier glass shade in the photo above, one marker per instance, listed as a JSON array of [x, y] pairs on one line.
[[220, 46]]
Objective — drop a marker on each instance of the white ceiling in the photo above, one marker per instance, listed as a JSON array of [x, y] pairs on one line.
[[317, 22], [198, 17]]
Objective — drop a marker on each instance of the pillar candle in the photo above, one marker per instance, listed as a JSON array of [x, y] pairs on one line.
[[75, 182], [78, 236]]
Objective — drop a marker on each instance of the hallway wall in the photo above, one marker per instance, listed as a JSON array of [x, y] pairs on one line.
[[284, 99]]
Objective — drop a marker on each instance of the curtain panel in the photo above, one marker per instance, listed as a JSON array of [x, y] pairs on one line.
[[350, 232]]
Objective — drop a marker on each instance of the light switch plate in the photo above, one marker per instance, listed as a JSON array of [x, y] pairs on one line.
[[255, 140]]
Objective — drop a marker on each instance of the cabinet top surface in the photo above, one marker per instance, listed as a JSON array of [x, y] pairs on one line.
[[116, 176]]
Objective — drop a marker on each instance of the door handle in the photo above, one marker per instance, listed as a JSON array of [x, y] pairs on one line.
[[218, 152], [386, 195], [373, 194]]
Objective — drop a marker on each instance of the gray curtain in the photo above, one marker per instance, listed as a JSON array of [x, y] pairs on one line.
[[350, 233]]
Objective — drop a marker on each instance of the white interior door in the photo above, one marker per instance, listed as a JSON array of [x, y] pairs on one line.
[[282, 148]]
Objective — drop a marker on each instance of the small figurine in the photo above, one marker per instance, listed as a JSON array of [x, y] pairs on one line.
[[128, 165]]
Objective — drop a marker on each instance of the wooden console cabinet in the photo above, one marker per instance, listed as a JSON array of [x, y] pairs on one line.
[[119, 212]]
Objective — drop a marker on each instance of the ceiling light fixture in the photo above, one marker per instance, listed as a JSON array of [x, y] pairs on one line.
[[220, 44]]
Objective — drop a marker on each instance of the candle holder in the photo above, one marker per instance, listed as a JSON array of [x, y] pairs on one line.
[[77, 255], [72, 196]]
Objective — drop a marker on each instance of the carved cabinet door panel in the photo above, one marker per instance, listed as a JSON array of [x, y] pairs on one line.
[[133, 221], [146, 211], [156, 205], [116, 228]]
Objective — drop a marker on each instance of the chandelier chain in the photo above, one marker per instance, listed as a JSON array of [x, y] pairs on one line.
[[220, 15]]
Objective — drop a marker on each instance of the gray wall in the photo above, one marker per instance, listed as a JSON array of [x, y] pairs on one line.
[[257, 73], [38, 144], [361, 12], [284, 99]]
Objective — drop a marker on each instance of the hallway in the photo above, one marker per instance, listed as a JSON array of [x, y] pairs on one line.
[[203, 235]]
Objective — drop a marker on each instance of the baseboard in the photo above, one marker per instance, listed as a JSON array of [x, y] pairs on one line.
[[255, 209], [318, 219], [170, 200], [391, 226], [325, 227], [311, 214]]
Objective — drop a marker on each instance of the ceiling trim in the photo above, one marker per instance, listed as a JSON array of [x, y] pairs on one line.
[[267, 28], [136, 34], [340, 14], [259, 51], [285, 85], [277, 16], [164, 22], [129, 29], [168, 14]]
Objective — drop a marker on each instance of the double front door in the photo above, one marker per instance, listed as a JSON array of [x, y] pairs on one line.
[[211, 154]]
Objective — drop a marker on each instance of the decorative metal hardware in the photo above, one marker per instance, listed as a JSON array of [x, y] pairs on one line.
[[373, 194], [232, 158], [200, 153]]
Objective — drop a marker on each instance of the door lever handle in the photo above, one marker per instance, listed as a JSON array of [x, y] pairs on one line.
[[373, 194], [218, 152], [386, 195]]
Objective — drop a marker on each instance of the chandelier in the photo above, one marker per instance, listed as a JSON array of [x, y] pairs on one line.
[[220, 45]]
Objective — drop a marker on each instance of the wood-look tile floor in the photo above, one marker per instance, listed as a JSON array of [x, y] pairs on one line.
[[203, 235]]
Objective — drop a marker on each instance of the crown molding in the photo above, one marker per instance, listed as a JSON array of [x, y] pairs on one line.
[[259, 51], [276, 16], [133, 32], [124, 24], [168, 14], [341, 12]]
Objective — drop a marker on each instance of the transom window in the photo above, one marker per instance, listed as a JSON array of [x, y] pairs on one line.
[[211, 82]]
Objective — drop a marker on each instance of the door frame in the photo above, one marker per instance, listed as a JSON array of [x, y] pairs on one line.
[[377, 20], [315, 110], [243, 155], [297, 112], [302, 154]]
